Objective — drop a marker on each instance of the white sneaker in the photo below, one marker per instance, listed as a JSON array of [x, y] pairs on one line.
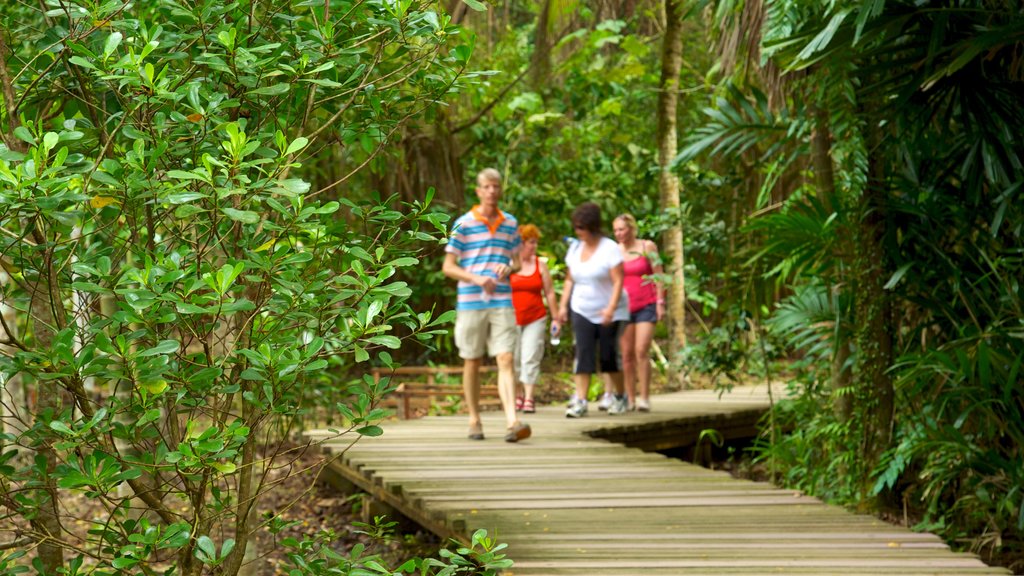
[[577, 409], [643, 405], [619, 406], [606, 401]]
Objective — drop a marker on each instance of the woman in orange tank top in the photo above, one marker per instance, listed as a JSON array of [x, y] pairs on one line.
[[531, 287]]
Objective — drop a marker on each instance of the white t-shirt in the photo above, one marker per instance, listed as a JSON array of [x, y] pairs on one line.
[[592, 281]]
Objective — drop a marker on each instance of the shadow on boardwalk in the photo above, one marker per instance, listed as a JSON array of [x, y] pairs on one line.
[[568, 501]]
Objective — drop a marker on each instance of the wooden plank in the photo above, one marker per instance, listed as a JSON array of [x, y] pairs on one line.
[[569, 501]]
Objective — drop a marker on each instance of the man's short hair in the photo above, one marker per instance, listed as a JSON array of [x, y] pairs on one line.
[[488, 175], [588, 217]]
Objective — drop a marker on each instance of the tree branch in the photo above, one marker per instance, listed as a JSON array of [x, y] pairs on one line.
[[501, 96], [8, 92]]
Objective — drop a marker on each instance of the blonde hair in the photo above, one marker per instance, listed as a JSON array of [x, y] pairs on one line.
[[529, 232], [488, 175], [629, 220]]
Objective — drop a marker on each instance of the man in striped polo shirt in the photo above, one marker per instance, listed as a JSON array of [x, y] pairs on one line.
[[482, 251]]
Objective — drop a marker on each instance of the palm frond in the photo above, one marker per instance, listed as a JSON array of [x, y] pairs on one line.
[[739, 123], [800, 240], [810, 319]]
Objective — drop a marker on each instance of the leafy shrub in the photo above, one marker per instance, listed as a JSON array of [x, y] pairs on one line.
[[182, 279]]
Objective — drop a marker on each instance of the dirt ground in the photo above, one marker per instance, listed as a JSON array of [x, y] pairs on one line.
[[321, 507]]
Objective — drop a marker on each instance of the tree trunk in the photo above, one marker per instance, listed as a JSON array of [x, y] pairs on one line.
[[45, 306], [540, 64], [7, 91], [873, 310], [12, 393], [825, 182], [668, 182], [432, 156]]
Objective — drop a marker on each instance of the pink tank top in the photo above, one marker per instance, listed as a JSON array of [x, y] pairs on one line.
[[641, 292]]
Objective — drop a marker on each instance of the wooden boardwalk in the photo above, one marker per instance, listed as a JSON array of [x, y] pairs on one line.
[[568, 501]]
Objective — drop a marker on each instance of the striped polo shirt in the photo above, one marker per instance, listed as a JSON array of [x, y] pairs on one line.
[[481, 247]]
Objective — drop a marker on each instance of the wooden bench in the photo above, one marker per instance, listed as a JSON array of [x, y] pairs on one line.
[[419, 388]]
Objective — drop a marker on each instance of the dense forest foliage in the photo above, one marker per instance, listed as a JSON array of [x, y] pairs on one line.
[[215, 215]]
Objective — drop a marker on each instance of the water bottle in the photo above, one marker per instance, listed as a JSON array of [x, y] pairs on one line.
[[556, 336]]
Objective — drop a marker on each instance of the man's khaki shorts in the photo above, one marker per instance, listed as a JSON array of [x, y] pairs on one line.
[[492, 331]]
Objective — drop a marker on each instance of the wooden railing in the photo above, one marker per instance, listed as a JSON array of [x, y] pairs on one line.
[[419, 388]]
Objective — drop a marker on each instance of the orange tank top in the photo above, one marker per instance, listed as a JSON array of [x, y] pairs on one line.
[[528, 297]]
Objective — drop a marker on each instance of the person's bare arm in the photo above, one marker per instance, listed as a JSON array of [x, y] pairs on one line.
[[563, 307], [452, 270], [655, 259], [549, 296], [618, 278], [549, 287], [515, 264]]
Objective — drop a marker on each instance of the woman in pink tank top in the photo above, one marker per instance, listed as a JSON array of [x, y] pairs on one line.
[[646, 308]]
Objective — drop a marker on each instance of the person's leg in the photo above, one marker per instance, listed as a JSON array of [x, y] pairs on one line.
[[507, 387], [585, 335], [613, 381], [471, 340], [642, 356], [609, 337], [629, 371], [582, 381], [501, 344], [519, 367], [532, 346], [471, 388]]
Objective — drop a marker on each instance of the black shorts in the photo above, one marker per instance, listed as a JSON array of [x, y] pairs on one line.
[[593, 338], [648, 313]]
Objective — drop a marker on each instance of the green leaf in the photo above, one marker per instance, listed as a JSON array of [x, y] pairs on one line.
[[225, 467], [79, 61], [404, 261], [183, 175], [293, 186], [897, 275], [296, 145], [243, 216], [206, 550], [163, 347], [370, 431], [61, 427], [123, 562], [315, 365], [155, 386], [275, 90], [227, 274], [329, 208], [183, 197], [228, 546], [361, 355], [476, 5], [822, 40], [389, 341], [113, 41], [25, 135], [187, 308]]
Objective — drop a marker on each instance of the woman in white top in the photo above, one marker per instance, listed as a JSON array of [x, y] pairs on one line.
[[600, 310]]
